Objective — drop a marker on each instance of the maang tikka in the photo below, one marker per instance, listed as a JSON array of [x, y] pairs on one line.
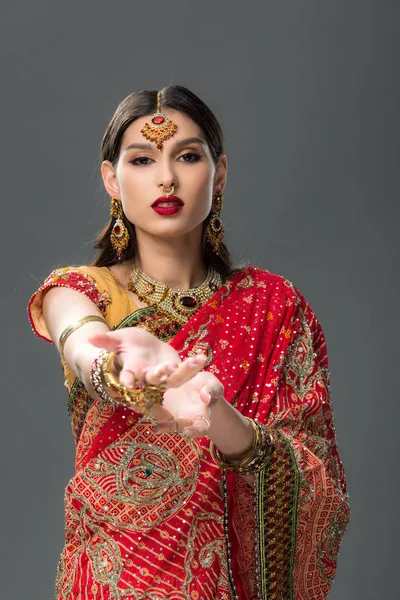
[[215, 228], [160, 127], [119, 236]]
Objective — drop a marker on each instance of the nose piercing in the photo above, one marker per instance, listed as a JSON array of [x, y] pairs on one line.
[[169, 192]]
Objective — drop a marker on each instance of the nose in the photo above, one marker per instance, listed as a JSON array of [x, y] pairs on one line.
[[166, 178], [169, 191]]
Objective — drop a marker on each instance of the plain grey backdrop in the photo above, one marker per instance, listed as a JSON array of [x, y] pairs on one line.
[[308, 95]]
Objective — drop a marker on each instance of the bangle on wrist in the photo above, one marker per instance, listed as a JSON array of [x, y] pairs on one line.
[[254, 459], [71, 328], [96, 378], [140, 398]]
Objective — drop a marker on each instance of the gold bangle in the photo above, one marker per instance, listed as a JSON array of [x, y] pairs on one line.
[[71, 328], [255, 457], [141, 399], [245, 459]]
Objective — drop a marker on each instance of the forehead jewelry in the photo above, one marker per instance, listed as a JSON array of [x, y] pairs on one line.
[[160, 128]]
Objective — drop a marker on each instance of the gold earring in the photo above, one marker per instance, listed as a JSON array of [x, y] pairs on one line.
[[119, 236], [215, 228]]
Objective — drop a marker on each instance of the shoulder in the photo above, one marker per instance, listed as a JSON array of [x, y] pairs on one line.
[[293, 298], [71, 272], [275, 285], [283, 292], [288, 306], [91, 281]]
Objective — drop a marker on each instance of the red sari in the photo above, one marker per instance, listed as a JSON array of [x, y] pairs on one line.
[[150, 516]]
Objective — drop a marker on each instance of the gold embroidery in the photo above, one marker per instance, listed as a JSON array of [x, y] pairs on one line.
[[80, 281], [148, 477], [299, 362], [202, 348], [201, 554], [278, 494], [159, 325], [328, 547], [246, 282]]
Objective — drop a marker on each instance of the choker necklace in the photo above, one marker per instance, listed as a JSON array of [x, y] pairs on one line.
[[175, 302]]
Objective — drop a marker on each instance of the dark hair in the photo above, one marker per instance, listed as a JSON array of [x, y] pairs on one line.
[[140, 104]]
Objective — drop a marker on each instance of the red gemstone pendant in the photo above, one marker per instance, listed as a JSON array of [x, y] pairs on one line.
[[188, 301], [158, 120], [217, 224]]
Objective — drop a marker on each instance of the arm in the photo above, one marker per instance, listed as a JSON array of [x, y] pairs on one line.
[[138, 354], [63, 307], [230, 431]]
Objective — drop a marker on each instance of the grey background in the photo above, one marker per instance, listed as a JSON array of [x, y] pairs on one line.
[[308, 95]]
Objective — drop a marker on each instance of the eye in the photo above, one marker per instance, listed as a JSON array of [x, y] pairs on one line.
[[143, 161], [139, 161], [192, 157]]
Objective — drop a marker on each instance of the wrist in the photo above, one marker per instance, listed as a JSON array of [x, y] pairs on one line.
[[256, 456], [96, 376], [230, 431], [239, 456]]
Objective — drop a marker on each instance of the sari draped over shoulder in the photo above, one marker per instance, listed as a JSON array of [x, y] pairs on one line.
[[150, 516]]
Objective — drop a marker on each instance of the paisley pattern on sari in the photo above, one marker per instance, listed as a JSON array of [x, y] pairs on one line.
[[150, 516]]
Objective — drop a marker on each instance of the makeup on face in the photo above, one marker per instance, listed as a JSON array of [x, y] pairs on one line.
[[167, 205]]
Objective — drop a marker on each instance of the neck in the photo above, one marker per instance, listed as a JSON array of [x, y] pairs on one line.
[[176, 262]]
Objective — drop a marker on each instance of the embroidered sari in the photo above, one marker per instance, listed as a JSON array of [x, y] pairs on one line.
[[150, 516]]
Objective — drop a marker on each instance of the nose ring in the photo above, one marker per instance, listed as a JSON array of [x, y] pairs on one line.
[[169, 192]]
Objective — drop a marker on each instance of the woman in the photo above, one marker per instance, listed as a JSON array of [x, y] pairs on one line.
[[206, 461]]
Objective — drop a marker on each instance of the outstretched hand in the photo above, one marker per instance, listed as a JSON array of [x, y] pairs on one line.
[[190, 405], [190, 394], [142, 358]]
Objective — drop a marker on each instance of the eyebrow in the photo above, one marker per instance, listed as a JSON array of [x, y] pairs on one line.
[[180, 144]]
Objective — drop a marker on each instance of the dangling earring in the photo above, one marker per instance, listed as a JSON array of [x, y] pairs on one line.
[[119, 236], [215, 228]]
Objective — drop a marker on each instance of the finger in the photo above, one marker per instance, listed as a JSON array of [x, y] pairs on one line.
[[195, 432], [169, 426], [159, 413], [186, 370], [160, 373], [205, 395], [103, 340], [128, 377], [173, 425], [200, 426]]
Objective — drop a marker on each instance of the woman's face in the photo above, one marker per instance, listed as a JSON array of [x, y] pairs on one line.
[[185, 161]]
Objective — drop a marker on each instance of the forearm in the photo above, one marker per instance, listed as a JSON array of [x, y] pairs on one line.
[[81, 356], [63, 308], [230, 431]]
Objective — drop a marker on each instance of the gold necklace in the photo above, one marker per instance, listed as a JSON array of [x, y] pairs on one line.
[[175, 302]]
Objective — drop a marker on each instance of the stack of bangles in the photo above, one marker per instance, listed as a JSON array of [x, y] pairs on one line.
[[140, 398], [254, 460]]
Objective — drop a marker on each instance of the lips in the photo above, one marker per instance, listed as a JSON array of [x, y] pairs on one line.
[[167, 205], [168, 201]]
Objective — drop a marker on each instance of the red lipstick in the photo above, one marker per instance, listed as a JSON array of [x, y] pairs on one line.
[[167, 205]]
